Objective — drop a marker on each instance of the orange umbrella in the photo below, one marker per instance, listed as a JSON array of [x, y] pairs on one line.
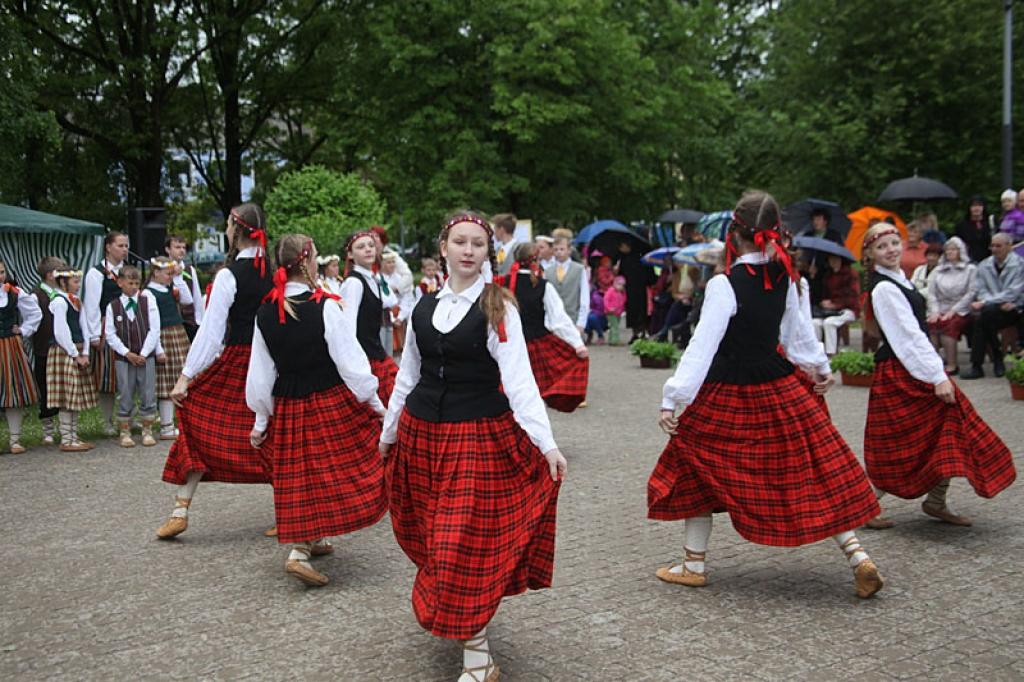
[[862, 218]]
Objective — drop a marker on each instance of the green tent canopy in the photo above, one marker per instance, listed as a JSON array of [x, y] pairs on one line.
[[23, 220], [26, 236]]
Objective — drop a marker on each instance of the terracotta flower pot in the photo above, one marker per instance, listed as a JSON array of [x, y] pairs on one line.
[[1017, 391], [856, 379], [655, 363]]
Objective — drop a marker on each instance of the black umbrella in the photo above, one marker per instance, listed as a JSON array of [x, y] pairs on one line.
[[608, 242], [797, 217], [917, 189], [680, 215]]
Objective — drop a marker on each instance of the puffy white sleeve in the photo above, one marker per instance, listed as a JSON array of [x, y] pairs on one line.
[[61, 331], [197, 296], [557, 320], [210, 337], [259, 382], [408, 377], [91, 315], [796, 334], [152, 340], [31, 315], [351, 293], [718, 308], [184, 290], [912, 348], [581, 319], [349, 358], [517, 380], [805, 299]]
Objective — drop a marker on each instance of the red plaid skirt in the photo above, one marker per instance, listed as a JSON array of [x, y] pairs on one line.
[[913, 440], [104, 371], [473, 505], [808, 383], [17, 383], [385, 370], [175, 344], [327, 472], [561, 376], [215, 423], [770, 456]]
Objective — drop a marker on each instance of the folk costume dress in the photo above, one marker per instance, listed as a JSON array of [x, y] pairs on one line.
[[131, 325], [17, 384], [913, 441], [472, 502], [551, 341], [190, 298], [43, 294], [309, 379], [99, 289], [752, 441], [215, 420], [173, 344], [70, 388], [365, 301]]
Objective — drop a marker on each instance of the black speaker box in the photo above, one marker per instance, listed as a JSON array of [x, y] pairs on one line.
[[147, 229]]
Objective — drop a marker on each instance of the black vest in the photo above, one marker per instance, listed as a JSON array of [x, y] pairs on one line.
[[368, 321], [170, 314], [748, 353], [917, 304], [459, 380], [251, 289], [531, 306], [110, 290], [9, 315], [304, 365], [74, 325]]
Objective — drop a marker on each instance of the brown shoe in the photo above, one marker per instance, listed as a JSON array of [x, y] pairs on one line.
[[147, 433], [271, 532], [75, 447], [867, 579], [880, 523], [686, 577], [124, 428], [943, 514], [321, 549], [17, 448], [85, 445], [305, 573], [175, 525]]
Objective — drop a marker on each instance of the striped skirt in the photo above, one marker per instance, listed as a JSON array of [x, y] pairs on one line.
[[68, 386], [770, 456], [175, 344], [473, 506], [104, 368], [17, 383], [913, 440], [386, 371], [327, 472], [560, 374]]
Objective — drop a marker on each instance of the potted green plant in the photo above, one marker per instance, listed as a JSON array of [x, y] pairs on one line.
[[856, 368], [656, 354], [1015, 375]]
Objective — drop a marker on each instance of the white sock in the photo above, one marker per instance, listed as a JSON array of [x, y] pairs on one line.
[[476, 659], [47, 426], [186, 491], [300, 552], [850, 545], [937, 495], [67, 433], [15, 416], [74, 428], [698, 532], [166, 408], [106, 401]]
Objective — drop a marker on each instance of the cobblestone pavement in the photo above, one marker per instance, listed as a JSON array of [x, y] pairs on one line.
[[88, 593]]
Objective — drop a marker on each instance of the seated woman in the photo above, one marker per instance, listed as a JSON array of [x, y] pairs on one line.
[[951, 289], [920, 279], [681, 287], [840, 302]]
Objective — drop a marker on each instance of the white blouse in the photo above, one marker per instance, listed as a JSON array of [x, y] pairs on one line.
[[556, 320], [91, 315], [188, 290], [28, 306], [896, 320], [152, 340], [210, 338], [511, 356], [795, 334], [352, 292], [349, 358], [61, 330]]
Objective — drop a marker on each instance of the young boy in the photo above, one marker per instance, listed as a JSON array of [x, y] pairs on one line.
[[132, 330], [432, 280], [44, 293]]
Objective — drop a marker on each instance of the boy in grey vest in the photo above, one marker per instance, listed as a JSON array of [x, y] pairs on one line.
[[569, 279]]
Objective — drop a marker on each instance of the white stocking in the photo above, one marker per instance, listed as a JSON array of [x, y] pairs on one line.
[[15, 415], [67, 429], [301, 552], [476, 659], [698, 532], [850, 545], [166, 407], [186, 492]]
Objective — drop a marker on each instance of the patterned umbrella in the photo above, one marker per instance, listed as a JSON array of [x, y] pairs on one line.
[[715, 225]]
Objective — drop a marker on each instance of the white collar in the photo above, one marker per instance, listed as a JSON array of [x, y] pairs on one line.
[[562, 262], [112, 268], [365, 272], [250, 252], [156, 286], [754, 258], [125, 298], [896, 274], [470, 293], [295, 288]]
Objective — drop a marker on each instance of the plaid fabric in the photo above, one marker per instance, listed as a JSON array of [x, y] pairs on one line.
[[767, 454], [561, 376], [68, 386], [913, 440], [17, 384], [104, 371], [327, 472], [472, 504], [385, 370], [808, 383], [215, 423], [175, 344]]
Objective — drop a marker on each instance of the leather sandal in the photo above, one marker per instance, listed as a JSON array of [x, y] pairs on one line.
[[175, 525], [271, 532], [943, 513], [866, 578], [880, 523], [322, 548], [490, 671], [686, 576], [304, 572]]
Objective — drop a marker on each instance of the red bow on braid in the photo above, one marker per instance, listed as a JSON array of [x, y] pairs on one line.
[[762, 239], [10, 287], [260, 235], [276, 295], [348, 245]]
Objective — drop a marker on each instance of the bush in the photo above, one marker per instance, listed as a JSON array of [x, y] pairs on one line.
[[852, 362], [1014, 369], [323, 204], [658, 350]]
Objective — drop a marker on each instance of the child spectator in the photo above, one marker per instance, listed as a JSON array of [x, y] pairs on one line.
[[615, 308], [596, 320], [432, 280]]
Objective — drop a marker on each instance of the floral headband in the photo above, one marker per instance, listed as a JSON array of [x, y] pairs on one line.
[[324, 260], [884, 232], [162, 263], [466, 218], [67, 273]]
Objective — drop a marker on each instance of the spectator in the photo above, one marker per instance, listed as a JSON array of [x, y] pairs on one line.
[[596, 321], [505, 238], [820, 227], [683, 284], [1008, 201], [544, 249], [976, 229], [1000, 282], [569, 279], [920, 279], [914, 249], [840, 303], [1013, 220], [951, 289], [615, 300]]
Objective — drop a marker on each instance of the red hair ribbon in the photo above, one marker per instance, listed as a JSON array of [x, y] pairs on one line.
[[276, 294], [260, 235], [762, 239], [320, 294], [348, 249], [77, 304], [11, 288]]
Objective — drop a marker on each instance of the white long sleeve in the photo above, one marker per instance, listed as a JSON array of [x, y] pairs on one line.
[[511, 356], [210, 337], [152, 340], [805, 299], [581, 317], [28, 306], [110, 333], [910, 345], [351, 293], [259, 381], [90, 314], [197, 295], [349, 358], [796, 334], [153, 336], [185, 296], [61, 331], [557, 320]]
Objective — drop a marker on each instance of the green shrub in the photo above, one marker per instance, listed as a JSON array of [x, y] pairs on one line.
[[655, 349], [1014, 369], [852, 362]]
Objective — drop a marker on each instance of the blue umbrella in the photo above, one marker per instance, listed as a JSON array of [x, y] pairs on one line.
[[658, 257], [594, 229], [688, 254], [715, 225], [823, 245]]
